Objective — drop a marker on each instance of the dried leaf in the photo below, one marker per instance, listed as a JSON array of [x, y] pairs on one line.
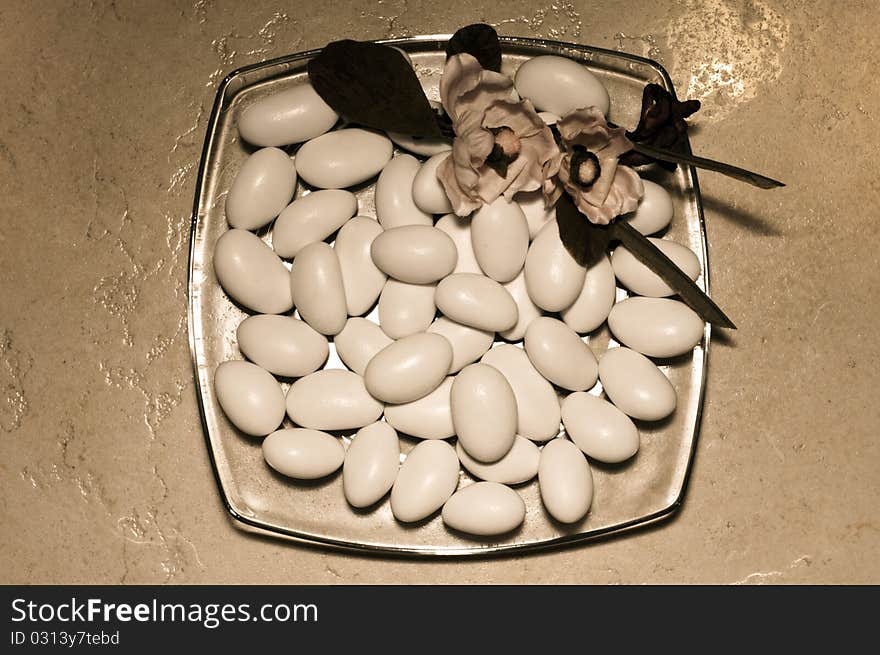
[[585, 241], [479, 40], [735, 172], [373, 85], [654, 258]]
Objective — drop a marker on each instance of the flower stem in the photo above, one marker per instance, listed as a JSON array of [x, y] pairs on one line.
[[655, 259], [735, 172]]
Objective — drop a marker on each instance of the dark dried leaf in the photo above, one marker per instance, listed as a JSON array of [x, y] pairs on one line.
[[373, 85], [479, 40], [654, 258], [444, 123], [741, 174], [557, 137], [585, 241]]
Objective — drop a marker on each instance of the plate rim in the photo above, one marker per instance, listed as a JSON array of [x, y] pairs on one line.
[[255, 526]]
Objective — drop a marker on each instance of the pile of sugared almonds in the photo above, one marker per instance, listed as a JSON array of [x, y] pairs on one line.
[[476, 352]]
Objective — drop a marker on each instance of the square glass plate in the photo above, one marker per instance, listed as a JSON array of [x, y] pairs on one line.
[[644, 490]]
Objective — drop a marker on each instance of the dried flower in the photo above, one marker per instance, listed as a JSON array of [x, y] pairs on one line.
[[590, 172], [662, 124], [501, 145]]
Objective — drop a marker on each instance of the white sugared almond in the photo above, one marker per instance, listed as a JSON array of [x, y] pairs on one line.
[[560, 355], [371, 464], [290, 116], [417, 254], [655, 209], [527, 311], [343, 158], [428, 194], [251, 273], [332, 399], [249, 396], [429, 417], [303, 453], [406, 309], [635, 385], [468, 343], [477, 301], [394, 200], [408, 369], [484, 509], [599, 429], [553, 278], [361, 279], [317, 288], [425, 482], [656, 327], [595, 300], [640, 279], [358, 342], [519, 465], [311, 218], [261, 189], [565, 481], [500, 239], [282, 345], [559, 85], [484, 412]]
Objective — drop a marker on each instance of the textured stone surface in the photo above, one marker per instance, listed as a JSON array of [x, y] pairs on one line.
[[103, 471]]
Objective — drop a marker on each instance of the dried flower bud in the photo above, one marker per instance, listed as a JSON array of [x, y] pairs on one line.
[[508, 141], [584, 167]]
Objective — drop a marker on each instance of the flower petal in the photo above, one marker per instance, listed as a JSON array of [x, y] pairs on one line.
[[629, 187], [462, 203], [587, 127], [598, 193], [517, 116], [479, 102], [467, 86]]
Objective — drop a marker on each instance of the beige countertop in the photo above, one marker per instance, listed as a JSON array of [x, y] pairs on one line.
[[104, 475]]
